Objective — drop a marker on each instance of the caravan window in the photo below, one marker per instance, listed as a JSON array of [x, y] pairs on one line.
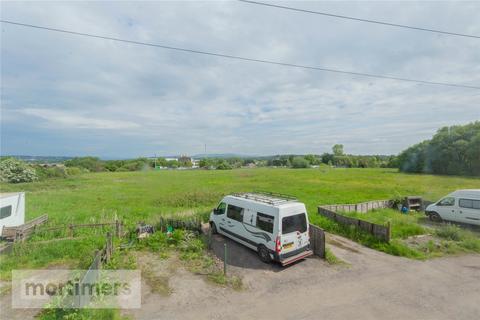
[[5, 212], [235, 213], [265, 222]]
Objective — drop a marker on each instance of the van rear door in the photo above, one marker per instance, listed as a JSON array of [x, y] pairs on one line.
[[294, 232]]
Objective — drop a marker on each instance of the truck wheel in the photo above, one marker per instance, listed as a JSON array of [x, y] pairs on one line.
[[435, 217], [264, 254], [213, 227]]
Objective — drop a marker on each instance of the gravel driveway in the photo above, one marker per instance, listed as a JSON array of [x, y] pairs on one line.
[[372, 285]]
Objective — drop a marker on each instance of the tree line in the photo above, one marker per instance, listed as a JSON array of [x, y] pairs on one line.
[[452, 150]]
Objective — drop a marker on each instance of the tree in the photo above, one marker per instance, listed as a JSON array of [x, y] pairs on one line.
[[300, 162], [223, 165], [15, 171], [452, 150], [338, 150], [312, 159], [185, 162], [204, 163], [172, 164], [328, 158]]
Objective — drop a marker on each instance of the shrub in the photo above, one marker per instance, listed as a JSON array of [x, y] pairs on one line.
[[51, 172], [450, 232], [92, 164], [300, 162], [73, 171], [15, 171], [223, 165]]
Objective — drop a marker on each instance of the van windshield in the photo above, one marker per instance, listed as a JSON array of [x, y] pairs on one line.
[[294, 223]]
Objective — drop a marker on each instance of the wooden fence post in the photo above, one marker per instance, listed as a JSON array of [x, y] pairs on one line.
[[99, 261], [117, 228], [70, 230], [389, 231], [109, 245]]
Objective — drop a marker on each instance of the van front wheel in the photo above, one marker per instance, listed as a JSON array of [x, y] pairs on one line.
[[213, 227], [264, 254], [435, 217]]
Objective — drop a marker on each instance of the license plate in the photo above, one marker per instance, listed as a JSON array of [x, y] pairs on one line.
[[288, 245]]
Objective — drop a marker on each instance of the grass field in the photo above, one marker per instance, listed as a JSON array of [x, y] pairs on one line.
[[137, 196], [134, 196]]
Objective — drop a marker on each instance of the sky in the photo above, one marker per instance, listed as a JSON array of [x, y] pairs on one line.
[[69, 95]]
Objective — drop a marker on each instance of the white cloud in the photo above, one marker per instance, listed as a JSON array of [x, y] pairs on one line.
[[171, 102], [54, 118]]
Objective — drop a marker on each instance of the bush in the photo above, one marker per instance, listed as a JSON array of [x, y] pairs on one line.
[[450, 232], [15, 171], [223, 165], [300, 162], [51, 172], [92, 164], [73, 171]]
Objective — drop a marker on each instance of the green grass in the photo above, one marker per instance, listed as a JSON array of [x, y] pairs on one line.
[[137, 196], [77, 254], [134, 196], [81, 314], [331, 258], [402, 225], [448, 238]]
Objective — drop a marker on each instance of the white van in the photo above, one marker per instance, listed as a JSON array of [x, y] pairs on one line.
[[459, 206], [274, 225]]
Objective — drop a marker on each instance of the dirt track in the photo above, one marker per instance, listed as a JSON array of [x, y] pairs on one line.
[[373, 286]]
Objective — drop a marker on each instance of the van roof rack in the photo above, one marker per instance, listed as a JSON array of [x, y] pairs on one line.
[[271, 198]]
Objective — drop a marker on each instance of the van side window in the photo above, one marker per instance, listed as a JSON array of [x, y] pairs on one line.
[[5, 212], [447, 202], [476, 204], [221, 208], [265, 222], [467, 203], [235, 213]]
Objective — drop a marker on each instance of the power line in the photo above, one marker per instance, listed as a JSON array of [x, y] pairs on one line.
[[359, 19], [285, 64]]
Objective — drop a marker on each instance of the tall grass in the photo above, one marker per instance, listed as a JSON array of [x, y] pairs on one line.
[[402, 225]]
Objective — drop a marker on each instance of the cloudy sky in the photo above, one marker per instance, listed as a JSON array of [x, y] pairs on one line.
[[71, 95]]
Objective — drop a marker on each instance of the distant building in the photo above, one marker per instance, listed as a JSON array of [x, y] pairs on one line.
[[183, 160], [195, 163]]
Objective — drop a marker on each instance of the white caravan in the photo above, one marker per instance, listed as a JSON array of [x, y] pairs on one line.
[[12, 209], [459, 206], [274, 225]]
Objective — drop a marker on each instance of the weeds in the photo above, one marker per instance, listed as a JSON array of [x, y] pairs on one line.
[[192, 253], [450, 232], [331, 258]]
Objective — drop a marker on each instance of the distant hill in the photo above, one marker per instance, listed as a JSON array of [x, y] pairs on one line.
[[42, 159]]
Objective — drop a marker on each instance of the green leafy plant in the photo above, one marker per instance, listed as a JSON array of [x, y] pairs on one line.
[[15, 171]]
